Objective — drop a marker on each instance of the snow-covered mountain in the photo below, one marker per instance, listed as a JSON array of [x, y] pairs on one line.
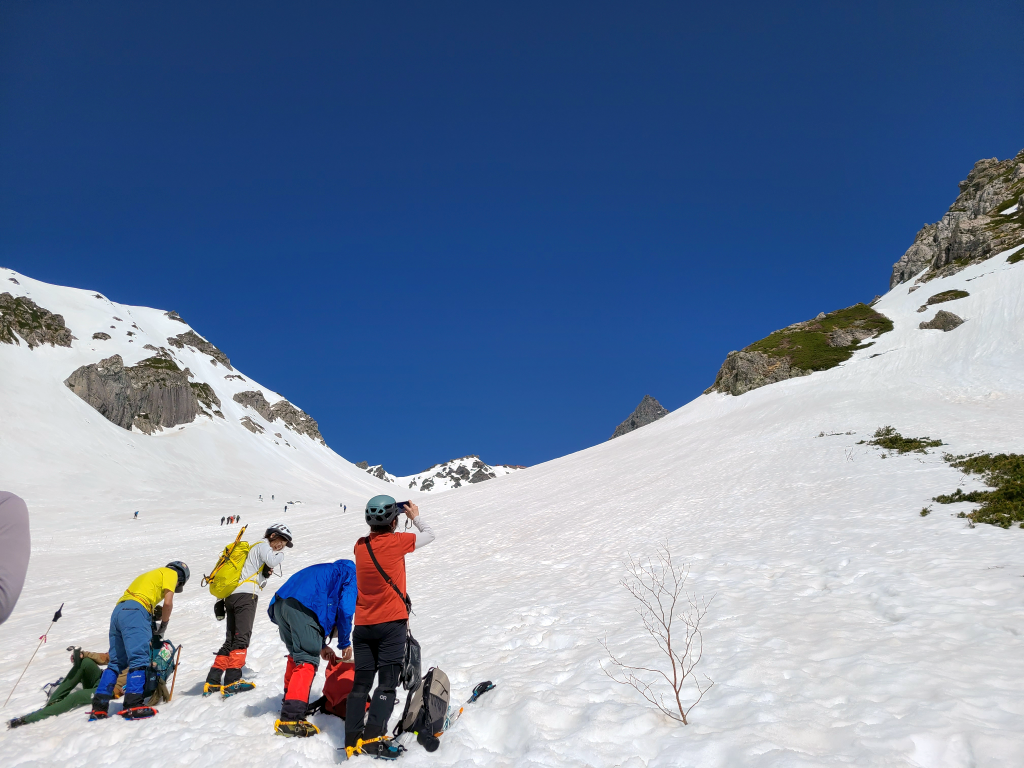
[[845, 627], [444, 477]]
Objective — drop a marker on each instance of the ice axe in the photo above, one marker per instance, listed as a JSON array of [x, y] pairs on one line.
[[42, 639]]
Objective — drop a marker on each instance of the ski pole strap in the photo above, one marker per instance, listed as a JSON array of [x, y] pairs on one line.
[[405, 598]]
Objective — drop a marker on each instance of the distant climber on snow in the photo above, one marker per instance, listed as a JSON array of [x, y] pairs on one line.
[[239, 608], [381, 624], [314, 605], [222, 519], [131, 630]]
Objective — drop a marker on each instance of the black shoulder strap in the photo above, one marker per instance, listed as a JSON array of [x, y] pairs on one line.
[[405, 598]]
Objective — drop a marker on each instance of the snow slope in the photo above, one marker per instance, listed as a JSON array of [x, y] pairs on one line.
[[845, 629], [448, 476]]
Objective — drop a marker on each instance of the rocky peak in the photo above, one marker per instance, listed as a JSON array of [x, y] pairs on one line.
[[466, 470], [20, 316], [649, 411], [197, 342], [986, 218]]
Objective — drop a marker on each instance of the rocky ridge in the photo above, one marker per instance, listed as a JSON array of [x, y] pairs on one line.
[[192, 339], [452, 474], [800, 349], [294, 418], [986, 218], [649, 411]]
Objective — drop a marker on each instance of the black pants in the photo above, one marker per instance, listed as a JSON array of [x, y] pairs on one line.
[[241, 613], [379, 650]]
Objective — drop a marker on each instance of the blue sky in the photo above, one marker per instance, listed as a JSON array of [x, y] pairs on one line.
[[451, 228]]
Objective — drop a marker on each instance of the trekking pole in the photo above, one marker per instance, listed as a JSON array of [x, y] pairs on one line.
[[175, 678], [42, 639]]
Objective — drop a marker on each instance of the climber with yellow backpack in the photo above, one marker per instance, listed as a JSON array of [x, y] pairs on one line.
[[238, 565]]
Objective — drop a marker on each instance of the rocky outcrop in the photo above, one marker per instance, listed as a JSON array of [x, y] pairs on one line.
[[20, 316], [101, 336], [197, 342], [152, 395], [297, 420], [943, 321], [744, 371], [799, 349], [207, 397], [251, 425], [175, 316], [294, 418], [974, 228], [452, 474], [363, 465], [256, 401], [649, 411]]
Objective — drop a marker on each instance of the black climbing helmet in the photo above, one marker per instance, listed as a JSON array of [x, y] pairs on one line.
[[183, 574], [381, 510]]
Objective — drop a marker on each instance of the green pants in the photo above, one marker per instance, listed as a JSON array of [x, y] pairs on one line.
[[65, 698]]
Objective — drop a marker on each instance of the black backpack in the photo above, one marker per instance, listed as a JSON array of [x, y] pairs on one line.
[[426, 710]]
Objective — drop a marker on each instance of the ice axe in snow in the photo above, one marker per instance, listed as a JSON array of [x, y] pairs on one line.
[[42, 639]]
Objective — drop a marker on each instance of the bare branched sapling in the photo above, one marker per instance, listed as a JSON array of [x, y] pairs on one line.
[[672, 617]]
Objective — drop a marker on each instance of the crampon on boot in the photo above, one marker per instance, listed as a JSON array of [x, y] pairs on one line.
[[381, 748], [239, 686], [137, 713], [210, 688], [302, 728], [98, 714]]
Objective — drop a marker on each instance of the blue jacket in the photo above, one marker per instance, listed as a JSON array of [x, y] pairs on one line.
[[329, 591]]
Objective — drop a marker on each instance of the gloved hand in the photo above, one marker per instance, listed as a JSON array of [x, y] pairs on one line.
[[267, 571]]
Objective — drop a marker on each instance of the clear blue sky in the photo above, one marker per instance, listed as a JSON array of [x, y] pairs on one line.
[[464, 227]]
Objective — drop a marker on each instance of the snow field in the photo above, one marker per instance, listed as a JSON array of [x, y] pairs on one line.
[[845, 629]]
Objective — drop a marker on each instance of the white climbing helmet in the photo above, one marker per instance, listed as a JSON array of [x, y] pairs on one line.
[[281, 530]]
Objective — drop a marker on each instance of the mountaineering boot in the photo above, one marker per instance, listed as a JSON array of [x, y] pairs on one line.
[[100, 705], [137, 713], [380, 747], [301, 728], [239, 686], [210, 689]]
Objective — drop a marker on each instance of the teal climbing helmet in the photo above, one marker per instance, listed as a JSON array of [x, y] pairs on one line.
[[381, 510]]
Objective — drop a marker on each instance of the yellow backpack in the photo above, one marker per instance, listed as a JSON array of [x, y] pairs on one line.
[[223, 579]]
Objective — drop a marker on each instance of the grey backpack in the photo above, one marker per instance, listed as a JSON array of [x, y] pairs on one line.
[[426, 709]]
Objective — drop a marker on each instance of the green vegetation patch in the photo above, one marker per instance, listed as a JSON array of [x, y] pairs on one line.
[[939, 298], [806, 345], [891, 440], [158, 363], [1013, 258], [1004, 474]]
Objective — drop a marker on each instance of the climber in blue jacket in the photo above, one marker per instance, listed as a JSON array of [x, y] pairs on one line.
[[311, 607]]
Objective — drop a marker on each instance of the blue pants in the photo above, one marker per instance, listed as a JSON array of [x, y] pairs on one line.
[[131, 629]]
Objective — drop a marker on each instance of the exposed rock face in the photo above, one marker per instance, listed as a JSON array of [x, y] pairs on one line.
[[379, 472], [175, 316], [207, 397], [844, 337], [649, 411], [943, 321], [744, 371], [194, 340], [452, 474], [101, 336], [256, 401], [20, 316], [363, 465], [973, 228], [295, 418], [150, 396]]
